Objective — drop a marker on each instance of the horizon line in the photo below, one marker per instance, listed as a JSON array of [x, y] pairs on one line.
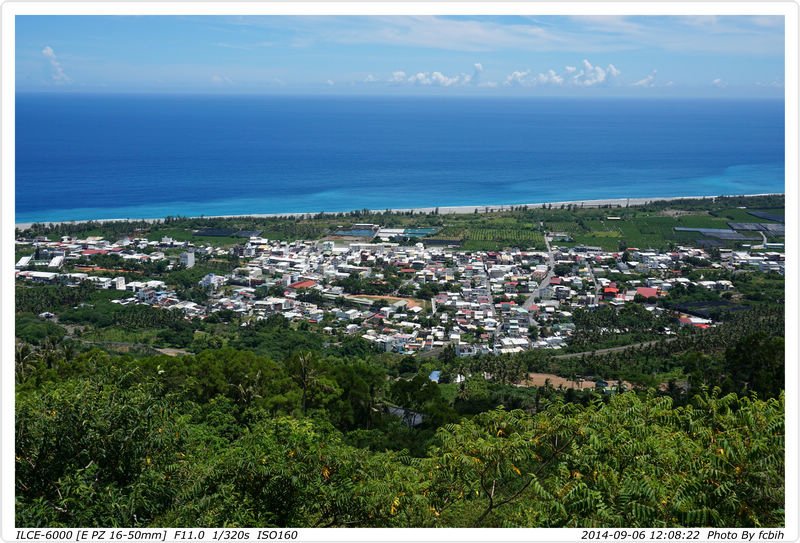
[[396, 95]]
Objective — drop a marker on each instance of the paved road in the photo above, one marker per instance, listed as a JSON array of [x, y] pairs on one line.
[[596, 284], [551, 264], [612, 349]]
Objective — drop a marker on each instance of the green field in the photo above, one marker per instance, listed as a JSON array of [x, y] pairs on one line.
[[742, 215], [488, 239], [645, 229], [648, 226], [115, 334], [183, 234]]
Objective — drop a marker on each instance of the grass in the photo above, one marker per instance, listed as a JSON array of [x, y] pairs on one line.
[[185, 234], [494, 233], [449, 391], [115, 334], [702, 221], [743, 215], [570, 227], [641, 230], [593, 240]]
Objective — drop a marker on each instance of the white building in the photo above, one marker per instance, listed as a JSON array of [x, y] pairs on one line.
[[187, 259]]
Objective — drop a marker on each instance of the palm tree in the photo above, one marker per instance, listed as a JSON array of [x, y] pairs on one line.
[[50, 352], [68, 351], [23, 360], [304, 373]]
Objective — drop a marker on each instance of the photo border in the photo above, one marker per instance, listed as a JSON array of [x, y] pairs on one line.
[[9, 9]]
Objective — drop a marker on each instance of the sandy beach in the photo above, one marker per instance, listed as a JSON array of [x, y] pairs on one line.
[[442, 210]]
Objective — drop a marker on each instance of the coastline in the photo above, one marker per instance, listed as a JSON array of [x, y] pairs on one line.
[[442, 210]]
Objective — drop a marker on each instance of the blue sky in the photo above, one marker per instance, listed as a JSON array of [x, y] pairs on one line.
[[714, 56]]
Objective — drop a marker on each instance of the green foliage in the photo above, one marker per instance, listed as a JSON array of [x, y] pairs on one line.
[[117, 442], [37, 299], [95, 452], [32, 329], [276, 338], [608, 326], [753, 364]]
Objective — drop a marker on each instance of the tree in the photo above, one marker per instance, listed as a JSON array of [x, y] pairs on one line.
[[497, 456], [309, 372], [23, 361], [756, 364], [86, 447]]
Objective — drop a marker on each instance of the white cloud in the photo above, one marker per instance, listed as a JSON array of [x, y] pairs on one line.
[[330, 82], [475, 78], [587, 76], [435, 78], [438, 78], [590, 35], [549, 78], [221, 80], [719, 83], [590, 75], [420, 78], [648, 81], [57, 72], [517, 78]]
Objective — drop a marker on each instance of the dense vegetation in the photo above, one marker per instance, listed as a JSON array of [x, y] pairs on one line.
[[294, 437], [230, 438], [272, 423]]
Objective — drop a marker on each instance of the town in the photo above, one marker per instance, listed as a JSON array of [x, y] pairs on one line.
[[405, 293]]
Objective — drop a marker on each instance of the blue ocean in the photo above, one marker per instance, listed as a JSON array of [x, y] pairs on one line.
[[110, 156]]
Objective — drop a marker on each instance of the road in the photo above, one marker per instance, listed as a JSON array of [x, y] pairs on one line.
[[612, 349], [551, 264], [595, 283]]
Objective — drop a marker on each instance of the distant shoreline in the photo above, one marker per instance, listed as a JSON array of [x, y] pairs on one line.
[[442, 210]]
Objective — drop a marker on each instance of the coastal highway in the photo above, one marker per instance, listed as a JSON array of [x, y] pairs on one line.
[[551, 264]]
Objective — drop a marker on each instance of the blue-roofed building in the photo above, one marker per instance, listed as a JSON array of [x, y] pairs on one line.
[[434, 376]]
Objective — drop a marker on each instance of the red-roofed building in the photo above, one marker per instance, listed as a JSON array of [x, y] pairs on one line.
[[302, 284], [610, 292], [90, 252], [555, 280], [647, 292]]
